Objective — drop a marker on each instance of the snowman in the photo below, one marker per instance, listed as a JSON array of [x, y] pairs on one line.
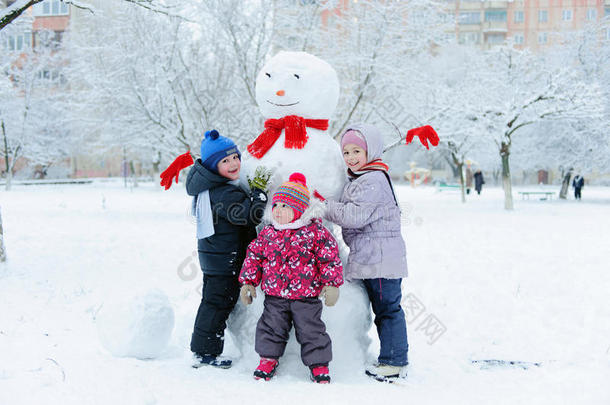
[[297, 93]]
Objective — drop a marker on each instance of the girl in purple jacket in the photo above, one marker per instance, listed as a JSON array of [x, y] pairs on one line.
[[370, 219], [296, 260]]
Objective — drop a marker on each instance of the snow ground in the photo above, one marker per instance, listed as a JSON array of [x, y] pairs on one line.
[[529, 285]]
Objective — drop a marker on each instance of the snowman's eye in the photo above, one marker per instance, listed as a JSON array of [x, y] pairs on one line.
[[268, 75], [297, 76]]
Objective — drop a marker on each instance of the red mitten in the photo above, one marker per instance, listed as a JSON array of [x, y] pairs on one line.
[[173, 170], [425, 134], [318, 195]]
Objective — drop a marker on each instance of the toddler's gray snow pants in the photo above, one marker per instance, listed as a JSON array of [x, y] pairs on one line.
[[274, 325]]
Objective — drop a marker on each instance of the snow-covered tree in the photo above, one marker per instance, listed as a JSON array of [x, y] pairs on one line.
[[579, 143], [15, 10], [164, 81], [33, 123], [518, 89]]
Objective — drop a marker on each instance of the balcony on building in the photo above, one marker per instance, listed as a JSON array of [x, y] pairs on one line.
[[495, 21]]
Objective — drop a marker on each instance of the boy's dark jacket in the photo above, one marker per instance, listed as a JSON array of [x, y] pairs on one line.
[[235, 214]]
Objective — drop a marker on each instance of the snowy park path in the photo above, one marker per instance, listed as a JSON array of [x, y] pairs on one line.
[[529, 285]]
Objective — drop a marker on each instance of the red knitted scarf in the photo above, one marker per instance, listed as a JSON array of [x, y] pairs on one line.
[[296, 133], [376, 164]]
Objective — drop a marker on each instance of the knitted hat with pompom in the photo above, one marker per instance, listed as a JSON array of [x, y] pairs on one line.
[[214, 148], [294, 193]]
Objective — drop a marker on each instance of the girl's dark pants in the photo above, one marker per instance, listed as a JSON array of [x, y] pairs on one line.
[[385, 296]]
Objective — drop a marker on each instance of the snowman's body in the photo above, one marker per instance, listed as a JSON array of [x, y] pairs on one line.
[[297, 83], [320, 161]]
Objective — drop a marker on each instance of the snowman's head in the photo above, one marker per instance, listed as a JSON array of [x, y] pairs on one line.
[[297, 83]]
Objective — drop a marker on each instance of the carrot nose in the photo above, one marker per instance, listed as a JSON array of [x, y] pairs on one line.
[[280, 92]]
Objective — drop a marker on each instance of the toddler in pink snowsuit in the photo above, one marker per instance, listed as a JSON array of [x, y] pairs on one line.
[[296, 260]]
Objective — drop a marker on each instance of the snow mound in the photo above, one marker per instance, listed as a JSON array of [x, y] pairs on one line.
[[139, 326]]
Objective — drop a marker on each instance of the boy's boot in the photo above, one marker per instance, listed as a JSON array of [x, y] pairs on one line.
[[211, 360], [266, 369], [319, 374], [385, 372]]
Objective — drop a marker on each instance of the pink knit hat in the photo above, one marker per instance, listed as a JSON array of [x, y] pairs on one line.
[[353, 137], [294, 193]]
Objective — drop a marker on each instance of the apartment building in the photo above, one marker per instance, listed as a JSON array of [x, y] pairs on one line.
[[534, 24]]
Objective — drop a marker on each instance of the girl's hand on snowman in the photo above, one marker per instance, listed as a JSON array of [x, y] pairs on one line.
[[261, 178], [330, 294], [425, 134], [247, 292]]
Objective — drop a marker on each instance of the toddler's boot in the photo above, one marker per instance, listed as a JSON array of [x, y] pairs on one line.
[[319, 374], [266, 369]]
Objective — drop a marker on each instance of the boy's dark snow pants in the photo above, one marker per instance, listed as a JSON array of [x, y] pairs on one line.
[[218, 298], [276, 321]]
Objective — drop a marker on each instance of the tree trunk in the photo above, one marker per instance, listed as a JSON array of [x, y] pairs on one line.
[[2, 249], [506, 183], [452, 166], [9, 180], [6, 157], [460, 167], [565, 185], [134, 177]]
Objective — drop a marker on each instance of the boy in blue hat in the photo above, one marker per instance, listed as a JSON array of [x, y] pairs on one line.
[[226, 219]]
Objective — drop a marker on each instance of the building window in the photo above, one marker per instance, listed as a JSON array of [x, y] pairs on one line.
[[51, 76], [51, 7], [608, 34], [543, 16], [468, 38], [519, 39], [519, 16], [495, 15], [566, 15], [470, 18], [495, 38], [607, 11], [542, 37], [48, 39], [18, 42], [591, 14]]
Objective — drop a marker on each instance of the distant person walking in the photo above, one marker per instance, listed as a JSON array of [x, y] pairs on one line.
[[468, 179], [478, 181], [578, 183]]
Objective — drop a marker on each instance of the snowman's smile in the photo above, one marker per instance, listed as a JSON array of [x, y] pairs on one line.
[[283, 105]]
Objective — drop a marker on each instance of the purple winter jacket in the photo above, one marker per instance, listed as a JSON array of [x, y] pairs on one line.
[[370, 219]]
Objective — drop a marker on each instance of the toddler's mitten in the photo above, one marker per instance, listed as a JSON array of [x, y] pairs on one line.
[[173, 170], [261, 178], [330, 294], [247, 292]]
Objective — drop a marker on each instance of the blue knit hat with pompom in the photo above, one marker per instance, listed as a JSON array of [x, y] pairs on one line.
[[214, 148]]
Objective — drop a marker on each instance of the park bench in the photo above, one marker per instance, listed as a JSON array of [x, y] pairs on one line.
[[544, 195], [441, 186]]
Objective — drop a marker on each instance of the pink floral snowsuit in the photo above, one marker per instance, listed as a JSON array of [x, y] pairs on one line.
[[293, 266]]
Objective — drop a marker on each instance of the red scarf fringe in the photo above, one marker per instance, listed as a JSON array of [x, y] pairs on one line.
[[295, 129]]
